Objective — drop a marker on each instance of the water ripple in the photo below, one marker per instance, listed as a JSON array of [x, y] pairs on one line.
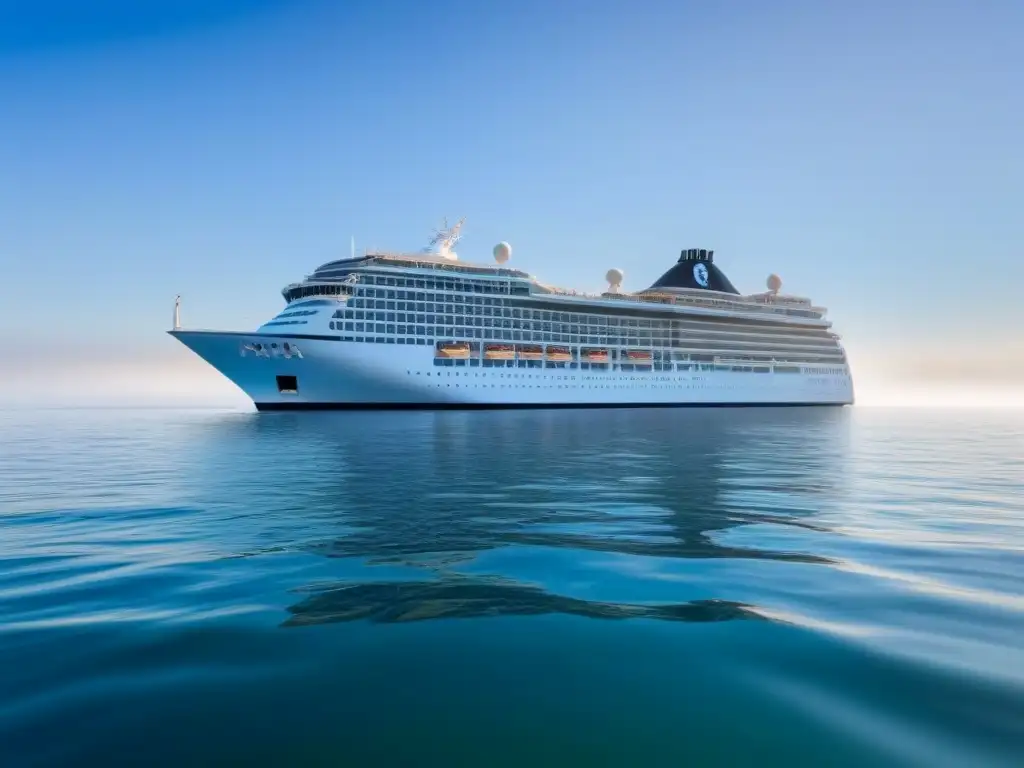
[[839, 587]]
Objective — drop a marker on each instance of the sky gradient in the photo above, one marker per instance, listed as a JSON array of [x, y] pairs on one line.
[[870, 154]]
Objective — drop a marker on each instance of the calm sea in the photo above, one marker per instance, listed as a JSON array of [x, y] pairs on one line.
[[622, 588]]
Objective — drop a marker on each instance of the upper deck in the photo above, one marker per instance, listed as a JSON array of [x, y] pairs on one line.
[[668, 293]]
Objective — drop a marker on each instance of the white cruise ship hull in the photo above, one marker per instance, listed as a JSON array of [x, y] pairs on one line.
[[320, 372]]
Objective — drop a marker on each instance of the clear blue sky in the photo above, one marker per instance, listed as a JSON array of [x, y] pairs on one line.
[[871, 153]]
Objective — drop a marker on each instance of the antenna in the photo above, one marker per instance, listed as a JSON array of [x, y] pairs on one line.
[[440, 234], [446, 237], [177, 313]]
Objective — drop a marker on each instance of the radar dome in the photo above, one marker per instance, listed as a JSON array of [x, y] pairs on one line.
[[774, 283], [502, 252], [614, 278]]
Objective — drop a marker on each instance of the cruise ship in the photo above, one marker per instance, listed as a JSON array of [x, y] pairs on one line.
[[428, 330]]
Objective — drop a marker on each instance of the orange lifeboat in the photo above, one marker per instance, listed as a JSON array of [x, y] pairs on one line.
[[453, 349], [527, 352], [559, 354], [499, 352], [595, 355], [641, 357]]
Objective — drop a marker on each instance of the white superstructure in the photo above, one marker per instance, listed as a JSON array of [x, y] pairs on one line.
[[425, 330]]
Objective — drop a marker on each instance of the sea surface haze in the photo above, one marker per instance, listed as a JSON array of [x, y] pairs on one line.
[[839, 587]]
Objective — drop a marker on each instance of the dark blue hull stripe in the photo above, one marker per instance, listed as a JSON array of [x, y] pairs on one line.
[[302, 406]]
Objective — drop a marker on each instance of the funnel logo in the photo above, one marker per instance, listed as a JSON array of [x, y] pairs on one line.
[[700, 274]]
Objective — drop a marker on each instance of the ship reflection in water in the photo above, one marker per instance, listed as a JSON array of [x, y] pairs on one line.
[[429, 493], [457, 598]]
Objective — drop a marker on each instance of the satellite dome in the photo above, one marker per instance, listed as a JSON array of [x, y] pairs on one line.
[[502, 252], [774, 283], [614, 278]]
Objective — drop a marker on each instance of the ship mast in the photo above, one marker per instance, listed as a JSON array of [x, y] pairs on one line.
[[446, 237]]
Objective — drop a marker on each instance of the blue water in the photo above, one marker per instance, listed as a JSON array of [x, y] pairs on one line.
[[635, 587]]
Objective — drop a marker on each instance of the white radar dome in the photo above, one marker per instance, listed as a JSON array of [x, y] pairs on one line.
[[774, 283], [614, 278], [502, 252]]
